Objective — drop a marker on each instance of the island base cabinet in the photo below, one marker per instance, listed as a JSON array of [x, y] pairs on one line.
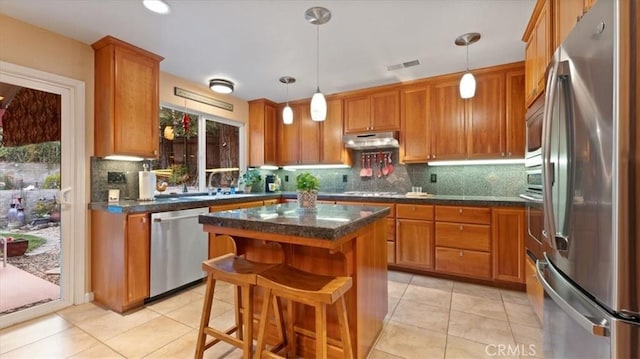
[[465, 262]]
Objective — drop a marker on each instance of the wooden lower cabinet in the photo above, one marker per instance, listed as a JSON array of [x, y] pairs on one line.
[[120, 258], [138, 249], [535, 292], [414, 243], [508, 244], [461, 261]]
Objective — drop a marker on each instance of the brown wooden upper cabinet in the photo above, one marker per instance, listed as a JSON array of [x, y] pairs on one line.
[[262, 132], [566, 14], [373, 111], [538, 50], [126, 99], [309, 142], [299, 142], [436, 124], [415, 144]]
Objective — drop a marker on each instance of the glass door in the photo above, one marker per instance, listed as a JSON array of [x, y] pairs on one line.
[[39, 211]]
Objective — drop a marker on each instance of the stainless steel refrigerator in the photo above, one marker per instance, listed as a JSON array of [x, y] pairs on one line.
[[591, 266]]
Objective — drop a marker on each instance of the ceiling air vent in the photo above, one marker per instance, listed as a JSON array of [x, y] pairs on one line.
[[403, 65]]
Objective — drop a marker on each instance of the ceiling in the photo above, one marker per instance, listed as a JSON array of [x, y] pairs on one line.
[[255, 42]]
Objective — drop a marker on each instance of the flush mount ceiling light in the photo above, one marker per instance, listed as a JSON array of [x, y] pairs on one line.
[[467, 82], [221, 86], [287, 112], [318, 16], [157, 6]]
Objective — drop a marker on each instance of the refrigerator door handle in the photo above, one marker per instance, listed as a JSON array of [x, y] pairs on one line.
[[598, 329]]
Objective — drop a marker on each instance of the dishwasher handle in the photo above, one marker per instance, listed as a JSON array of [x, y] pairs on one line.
[[169, 219]]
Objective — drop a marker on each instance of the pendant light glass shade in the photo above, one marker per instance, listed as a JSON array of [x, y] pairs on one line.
[[467, 85], [287, 112], [467, 82], [318, 107], [318, 16], [287, 115]]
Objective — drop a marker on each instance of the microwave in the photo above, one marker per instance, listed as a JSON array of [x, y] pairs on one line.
[[533, 153]]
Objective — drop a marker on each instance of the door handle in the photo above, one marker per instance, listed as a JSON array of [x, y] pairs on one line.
[[64, 201]]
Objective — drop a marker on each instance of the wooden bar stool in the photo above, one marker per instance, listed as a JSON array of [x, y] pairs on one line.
[[241, 273], [311, 289]]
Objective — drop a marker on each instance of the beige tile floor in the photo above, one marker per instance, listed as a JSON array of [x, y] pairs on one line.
[[428, 318]]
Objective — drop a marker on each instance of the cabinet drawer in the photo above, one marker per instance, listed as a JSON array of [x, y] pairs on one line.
[[477, 215], [463, 236], [414, 211], [391, 229], [460, 261]]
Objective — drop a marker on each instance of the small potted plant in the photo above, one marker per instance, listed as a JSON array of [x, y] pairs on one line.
[[307, 186], [250, 177]]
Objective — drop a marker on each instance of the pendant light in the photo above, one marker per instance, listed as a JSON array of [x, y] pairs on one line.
[[467, 82], [287, 112], [318, 16]]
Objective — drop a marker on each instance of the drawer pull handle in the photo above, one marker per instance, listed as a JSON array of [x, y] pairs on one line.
[[460, 210], [460, 254], [461, 228]]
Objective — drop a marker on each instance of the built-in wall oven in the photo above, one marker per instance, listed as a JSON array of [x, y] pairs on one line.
[[533, 181]]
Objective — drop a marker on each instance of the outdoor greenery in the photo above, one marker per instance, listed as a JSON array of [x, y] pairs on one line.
[[307, 182], [45, 207], [52, 181], [46, 152], [34, 241]]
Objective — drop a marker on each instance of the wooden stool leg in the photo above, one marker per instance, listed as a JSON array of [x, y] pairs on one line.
[[238, 300], [344, 328], [277, 313], [206, 315], [292, 349], [266, 308], [247, 318], [321, 331]]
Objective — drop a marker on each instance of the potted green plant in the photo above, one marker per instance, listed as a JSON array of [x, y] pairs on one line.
[[307, 186], [250, 177]]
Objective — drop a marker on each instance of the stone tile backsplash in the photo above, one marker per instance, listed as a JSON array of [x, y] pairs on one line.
[[476, 180]]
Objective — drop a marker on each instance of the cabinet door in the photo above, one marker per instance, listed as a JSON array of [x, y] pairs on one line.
[[448, 118], [262, 132], [357, 114], [535, 291], [414, 243], [566, 14], [333, 151], [543, 46], [308, 139], [530, 70], [288, 138], [137, 257], [136, 111], [485, 123], [414, 119], [385, 111], [508, 244], [515, 114]]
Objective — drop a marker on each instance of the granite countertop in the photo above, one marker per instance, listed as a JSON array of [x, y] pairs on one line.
[[328, 221], [173, 203]]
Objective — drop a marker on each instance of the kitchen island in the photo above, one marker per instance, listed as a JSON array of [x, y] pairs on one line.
[[337, 240]]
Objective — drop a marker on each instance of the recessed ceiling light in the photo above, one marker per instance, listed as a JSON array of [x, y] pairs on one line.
[[221, 86], [157, 6]]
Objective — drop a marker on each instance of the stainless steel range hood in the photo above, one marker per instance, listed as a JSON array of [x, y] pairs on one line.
[[371, 140]]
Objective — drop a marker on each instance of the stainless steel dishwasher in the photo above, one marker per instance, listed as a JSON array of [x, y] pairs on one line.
[[178, 247]]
